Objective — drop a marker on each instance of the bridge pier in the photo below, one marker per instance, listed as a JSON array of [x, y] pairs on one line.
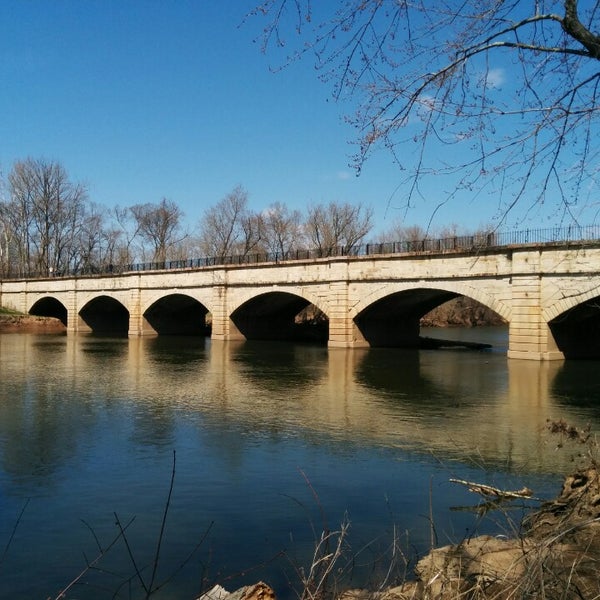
[[529, 336], [532, 341], [138, 324], [223, 328], [72, 313], [343, 331]]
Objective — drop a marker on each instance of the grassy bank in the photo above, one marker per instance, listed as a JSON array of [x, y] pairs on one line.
[[9, 312]]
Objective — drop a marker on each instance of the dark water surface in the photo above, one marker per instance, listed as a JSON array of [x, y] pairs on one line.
[[269, 440]]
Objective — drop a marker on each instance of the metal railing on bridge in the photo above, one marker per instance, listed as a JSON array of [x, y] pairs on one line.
[[475, 243]]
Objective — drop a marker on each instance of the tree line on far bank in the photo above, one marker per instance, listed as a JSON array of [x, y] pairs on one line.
[[49, 224]]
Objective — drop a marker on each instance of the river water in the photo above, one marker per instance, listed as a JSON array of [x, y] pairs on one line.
[[269, 444]]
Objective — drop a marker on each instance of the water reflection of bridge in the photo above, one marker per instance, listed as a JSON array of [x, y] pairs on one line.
[[547, 293], [481, 407], [401, 399]]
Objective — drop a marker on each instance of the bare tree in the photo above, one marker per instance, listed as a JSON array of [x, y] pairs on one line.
[[99, 242], [282, 229], [252, 230], [399, 232], [230, 228], [125, 230], [159, 225], [18, 221], [500, 96], [44, 214], [6, 241], [337, 228]]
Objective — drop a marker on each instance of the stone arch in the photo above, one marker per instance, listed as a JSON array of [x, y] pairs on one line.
[[49, 306], [271, 315], [203, 296], [563, 303], [575, 324], [458, 289], [242, 296], [85, 297], [391, 315], [104, 313], [176, 313]]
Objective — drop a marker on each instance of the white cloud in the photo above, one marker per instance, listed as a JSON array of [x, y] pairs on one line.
[[494, 78]]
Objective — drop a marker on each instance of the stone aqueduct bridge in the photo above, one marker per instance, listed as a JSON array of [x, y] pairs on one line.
[[546, 293]]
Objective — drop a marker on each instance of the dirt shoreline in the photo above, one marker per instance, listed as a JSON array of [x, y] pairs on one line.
[[30, 324]]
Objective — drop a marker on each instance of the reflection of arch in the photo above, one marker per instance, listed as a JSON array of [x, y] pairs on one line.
[[50, 307], [168, 350], [104, 314], [390, 317], [277, 367], [177, 314], [405, 376], [271, 316]]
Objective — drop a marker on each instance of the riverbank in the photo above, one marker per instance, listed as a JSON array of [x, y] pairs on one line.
[[461, 312], [554, 554], [12, 322]]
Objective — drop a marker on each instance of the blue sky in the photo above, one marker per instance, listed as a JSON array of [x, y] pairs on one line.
[[145, 100]]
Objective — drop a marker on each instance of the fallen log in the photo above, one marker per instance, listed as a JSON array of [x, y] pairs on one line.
[[490, 491]]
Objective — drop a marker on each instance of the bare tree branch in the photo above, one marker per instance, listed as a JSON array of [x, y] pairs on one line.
[[497, 96]]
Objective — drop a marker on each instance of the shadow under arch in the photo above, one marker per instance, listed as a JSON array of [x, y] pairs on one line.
[[394, 320], [575, 386], [401, 376], [275, 316], [577, 330], [104, 315], [383, 370], [178, 314], [50, 307]]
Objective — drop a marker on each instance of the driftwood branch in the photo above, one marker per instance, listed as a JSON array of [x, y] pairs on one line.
[[491, 492]]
